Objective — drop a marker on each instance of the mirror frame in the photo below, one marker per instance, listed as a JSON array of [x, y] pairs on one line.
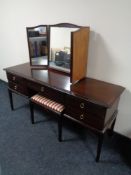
[[47, 31]]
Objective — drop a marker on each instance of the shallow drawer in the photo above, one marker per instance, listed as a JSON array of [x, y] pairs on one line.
[[47, 92], [75, 102], [13, 78], [85, 106], [35, 86], [18, 88]]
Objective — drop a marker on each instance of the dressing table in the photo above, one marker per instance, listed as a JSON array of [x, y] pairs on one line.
[[91, 103]]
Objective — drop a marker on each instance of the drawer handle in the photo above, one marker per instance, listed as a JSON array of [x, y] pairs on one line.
[[82, 105], [82, 116], [42, 89], [13, 78], [15, 87]]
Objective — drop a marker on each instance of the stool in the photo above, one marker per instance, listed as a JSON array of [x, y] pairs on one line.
[[50, 105]]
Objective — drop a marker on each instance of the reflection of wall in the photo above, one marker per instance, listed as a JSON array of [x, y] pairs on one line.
[[61, 37]]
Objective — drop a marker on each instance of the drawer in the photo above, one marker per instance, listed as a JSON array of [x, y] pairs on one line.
[[75, 102], [93, 121], [95, 109], [85, 106], [18, 88], [13, 78], [36, 87], [47, 92]]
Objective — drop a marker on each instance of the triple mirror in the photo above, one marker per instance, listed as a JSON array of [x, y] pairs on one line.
[[63, 47], [51, 45]]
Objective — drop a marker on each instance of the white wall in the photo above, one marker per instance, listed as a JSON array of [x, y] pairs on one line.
[[110, 40]]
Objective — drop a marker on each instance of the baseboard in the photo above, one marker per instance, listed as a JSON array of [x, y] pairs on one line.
[[3, 81], [122, 136]]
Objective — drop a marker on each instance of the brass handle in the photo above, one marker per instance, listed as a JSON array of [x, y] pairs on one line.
[[15, 87], [82, 116], [13, 78], [42, 89], [82, 105]]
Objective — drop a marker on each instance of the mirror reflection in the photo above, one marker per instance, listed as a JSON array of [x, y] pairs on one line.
[[37, 42], [60, 48]]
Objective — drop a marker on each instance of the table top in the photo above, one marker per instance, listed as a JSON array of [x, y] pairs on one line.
[[97, 91]]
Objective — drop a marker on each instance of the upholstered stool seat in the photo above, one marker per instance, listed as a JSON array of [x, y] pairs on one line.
[[47, 103], [50, 105]]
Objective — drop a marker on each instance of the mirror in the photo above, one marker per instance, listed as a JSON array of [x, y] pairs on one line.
[[60, 47], [38, 45]]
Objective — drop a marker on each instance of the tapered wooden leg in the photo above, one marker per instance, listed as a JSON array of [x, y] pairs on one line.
[[32, 112], [60, 121], [11, 99], [99, 146]]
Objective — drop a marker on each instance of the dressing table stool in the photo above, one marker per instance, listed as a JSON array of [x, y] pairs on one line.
[[50, 105]]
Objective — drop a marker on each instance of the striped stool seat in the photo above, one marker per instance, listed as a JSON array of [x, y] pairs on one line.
[[45, 102]]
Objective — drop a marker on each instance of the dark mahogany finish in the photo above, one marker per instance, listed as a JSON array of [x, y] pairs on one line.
[[90, 102]]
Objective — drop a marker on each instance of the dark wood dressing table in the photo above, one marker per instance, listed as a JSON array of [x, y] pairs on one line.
[[90, 102]]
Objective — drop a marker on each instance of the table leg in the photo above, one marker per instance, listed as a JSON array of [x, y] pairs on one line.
[[60, 122], [32, 112], [11, 99], [99, 146]]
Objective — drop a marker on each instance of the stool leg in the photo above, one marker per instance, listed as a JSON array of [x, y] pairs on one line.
[[99, 146], [60, 121], [11, 99], [32, 112]]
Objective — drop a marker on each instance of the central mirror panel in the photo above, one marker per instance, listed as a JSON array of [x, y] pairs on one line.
[[38, 45], [60, 47]]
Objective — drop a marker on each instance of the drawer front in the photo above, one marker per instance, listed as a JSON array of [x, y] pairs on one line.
[[18, 88], [91, 108], [75, 102], [93, 121], [36, 87], [47, 92], [14, 78]]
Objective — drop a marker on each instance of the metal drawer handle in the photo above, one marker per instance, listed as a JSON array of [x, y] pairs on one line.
[[15, 87], [42, 89], [13, 78], [82, 105], [82, 116]]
